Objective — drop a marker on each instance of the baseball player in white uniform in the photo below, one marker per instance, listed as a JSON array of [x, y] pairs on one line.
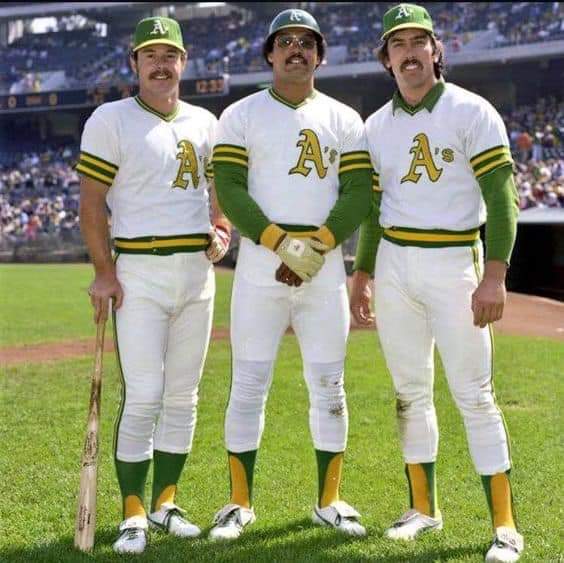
[[293, 175], [146, 159], [444, 170]]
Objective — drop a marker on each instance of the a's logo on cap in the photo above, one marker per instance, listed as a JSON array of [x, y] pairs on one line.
[[159, 28], [403, 12], [295, 16]]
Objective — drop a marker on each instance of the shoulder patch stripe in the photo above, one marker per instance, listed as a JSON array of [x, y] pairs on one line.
[[97, 169], [489, 167], [98, 160], [94, 175], [219, 159], [485, 155], [349, 167]]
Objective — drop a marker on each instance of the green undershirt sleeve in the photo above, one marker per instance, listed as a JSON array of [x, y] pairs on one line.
[[502, 204], [369, 239], [234, 199], [353, 204]]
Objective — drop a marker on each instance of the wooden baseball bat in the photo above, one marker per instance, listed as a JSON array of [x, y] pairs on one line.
[[86, 512]]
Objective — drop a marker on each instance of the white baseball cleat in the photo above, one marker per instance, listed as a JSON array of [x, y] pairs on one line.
[[507, 546], [341, 516], [230, 521], [132, 535], [411, 524], [169, 519]]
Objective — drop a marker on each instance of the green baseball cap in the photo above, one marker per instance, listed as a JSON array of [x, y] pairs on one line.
[[404, 16], [151, 31]]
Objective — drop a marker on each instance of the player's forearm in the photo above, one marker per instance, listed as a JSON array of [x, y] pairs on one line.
[[502, 203], [217, 215], [369, 239], [236, 203], [94, 229], [353, 205]]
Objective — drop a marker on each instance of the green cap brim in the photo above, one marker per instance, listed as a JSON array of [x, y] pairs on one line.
[[159, 41], [407, 26]]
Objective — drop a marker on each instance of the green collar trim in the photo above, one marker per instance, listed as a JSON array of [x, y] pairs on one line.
[[166, 117], [428, 102], [286, 102]]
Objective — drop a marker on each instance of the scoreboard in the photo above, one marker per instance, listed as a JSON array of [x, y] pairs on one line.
[[91, 97]]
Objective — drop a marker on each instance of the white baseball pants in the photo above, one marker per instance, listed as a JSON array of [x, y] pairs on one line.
[[423, 297], [162, 333]]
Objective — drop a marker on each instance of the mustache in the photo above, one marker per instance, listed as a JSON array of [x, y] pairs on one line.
[[410, 62], [296, 56], [159, 72]]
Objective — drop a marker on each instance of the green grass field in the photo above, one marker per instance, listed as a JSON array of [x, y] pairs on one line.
[[43, 414]]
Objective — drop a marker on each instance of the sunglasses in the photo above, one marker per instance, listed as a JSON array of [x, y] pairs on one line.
[[285, 41]]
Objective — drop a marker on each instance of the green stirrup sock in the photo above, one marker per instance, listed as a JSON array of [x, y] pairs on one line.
[[166, 473], [131, 478]]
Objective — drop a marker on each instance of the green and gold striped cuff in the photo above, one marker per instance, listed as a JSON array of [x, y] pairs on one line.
[[96, 168], [230, 154], [376, 182], [162, 245], [490, 160], [356, 160], [431, 238]]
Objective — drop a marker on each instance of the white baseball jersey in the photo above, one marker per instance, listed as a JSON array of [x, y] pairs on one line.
[[295, 153], [155, 166], [428, 159]]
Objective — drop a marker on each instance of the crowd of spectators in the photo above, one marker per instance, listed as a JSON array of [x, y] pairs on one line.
[[39, 195], [536, 134], [233, 43]]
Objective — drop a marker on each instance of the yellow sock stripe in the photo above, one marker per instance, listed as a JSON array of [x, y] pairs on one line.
[[167, 495], [132, 506], [239, 485], [332, 481], [502, 503], [419, 488]]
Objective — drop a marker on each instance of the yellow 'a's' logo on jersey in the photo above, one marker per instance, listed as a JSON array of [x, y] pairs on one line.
[[188, 165], [422, 157], [311, 152]]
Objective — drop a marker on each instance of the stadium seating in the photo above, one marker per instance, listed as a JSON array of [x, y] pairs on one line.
[[233, 44]]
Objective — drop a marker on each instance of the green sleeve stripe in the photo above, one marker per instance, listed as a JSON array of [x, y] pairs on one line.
[[356, 166], [489, 153], [353, 204], [100, 161], [96, 168], [94, 175], [502, 204], [230, 160], [491, 166]]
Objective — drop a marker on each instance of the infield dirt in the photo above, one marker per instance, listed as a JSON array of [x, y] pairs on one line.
[[525, 315]]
